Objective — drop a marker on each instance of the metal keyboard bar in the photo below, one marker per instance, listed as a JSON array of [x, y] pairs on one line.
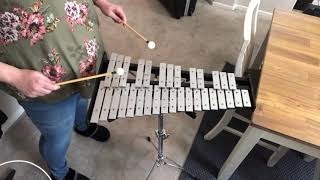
[[193, 78], [216, 80], [164, 100], [148, 100], [139, 75], [200, 78], [232, 81], [213, 99], [237, 98], [106, 104], [205, 99], [112, 63], [181, 99], [124, 101], [224, 80], [221, 99], [132, 101], [229, 98], [173, 101], [156, 100], [177, 77], [189, 100], [98, 103], [197, 100], [170, 68], [124, 77], [116, 77], [140, 101], [115, 103], [147, 74], [162, 75]]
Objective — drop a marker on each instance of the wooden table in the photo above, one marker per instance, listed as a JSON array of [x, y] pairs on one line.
[[288, 101]]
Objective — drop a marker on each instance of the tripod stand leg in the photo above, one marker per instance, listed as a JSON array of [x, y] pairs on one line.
[[154, 165]]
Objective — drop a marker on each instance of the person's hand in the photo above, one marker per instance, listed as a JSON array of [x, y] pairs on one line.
[[112, 10], [33, 83]]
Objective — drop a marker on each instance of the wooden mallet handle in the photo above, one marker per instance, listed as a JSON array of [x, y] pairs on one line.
[[133, 30], [108, 74]]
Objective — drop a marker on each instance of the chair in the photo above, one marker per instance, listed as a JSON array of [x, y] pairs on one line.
[[242, 65]]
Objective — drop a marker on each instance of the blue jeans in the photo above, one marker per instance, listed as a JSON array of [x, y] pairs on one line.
[[56, 122]]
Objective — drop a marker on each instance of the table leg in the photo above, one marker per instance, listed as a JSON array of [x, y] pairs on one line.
[[248, 140], [316, 175], [224, 121], [277, 155]]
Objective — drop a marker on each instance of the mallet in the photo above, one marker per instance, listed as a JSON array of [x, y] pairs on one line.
[[119, 71], [151, 44]]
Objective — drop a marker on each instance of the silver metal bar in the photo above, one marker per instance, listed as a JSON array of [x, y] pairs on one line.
[[177, 77], [132, 101], [224, 80], [156, 100], [237, 98], [139, 75], [189, 100], [126, 66], [148, 100], [147, 74], [98, 103], [213, 99], [197, 100], [181, 99], [106, 104], [164, 100], [115, 103], [116, 77], [170, 68], [112, 63], [200, 78], [162, 75], [221, 99], [246, 98], [232, 81], [193, 78], [124, 101], [173, 101], [140, 102], [216, 80], [205, 99], [229, 98]]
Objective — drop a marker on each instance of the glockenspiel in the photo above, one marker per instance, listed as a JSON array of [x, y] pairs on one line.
[[166, 88]]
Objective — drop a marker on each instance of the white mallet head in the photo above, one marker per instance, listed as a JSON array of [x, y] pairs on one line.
[[120, 71], [151, 44]]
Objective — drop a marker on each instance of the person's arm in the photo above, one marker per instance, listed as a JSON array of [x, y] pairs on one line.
[[112, 10], [29, 83]]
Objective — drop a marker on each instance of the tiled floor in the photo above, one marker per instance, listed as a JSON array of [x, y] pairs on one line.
[[206, 40]]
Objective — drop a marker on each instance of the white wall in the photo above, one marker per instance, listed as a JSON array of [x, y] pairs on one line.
[[11, 108]]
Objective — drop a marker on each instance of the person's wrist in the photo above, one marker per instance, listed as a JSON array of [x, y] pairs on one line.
[[101, 3], [14, 76]]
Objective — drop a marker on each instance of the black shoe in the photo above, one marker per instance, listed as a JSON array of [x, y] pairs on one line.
[[96, 132], [73, 175]]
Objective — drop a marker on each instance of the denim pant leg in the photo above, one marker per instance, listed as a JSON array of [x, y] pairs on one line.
[[55, 122], [81, 114]]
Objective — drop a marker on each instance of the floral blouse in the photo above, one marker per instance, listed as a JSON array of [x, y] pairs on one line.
[[59, 38]]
